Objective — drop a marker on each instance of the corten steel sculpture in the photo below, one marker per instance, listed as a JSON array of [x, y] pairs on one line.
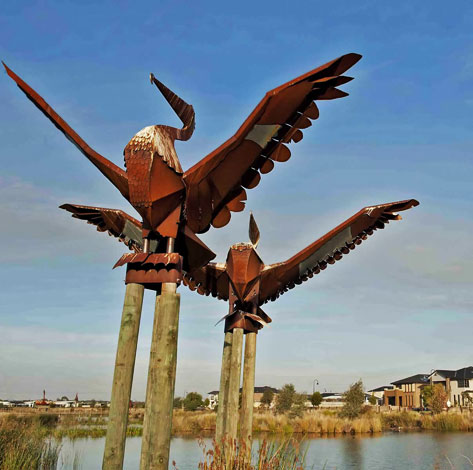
[[247, 283], [175, 206]]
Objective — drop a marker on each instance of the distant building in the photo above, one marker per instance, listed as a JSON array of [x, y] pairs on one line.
[[455, 382], [379, 393], [332, 400], [259, 392], [65, 403], [258, 395], [407, 392], [213, 399]]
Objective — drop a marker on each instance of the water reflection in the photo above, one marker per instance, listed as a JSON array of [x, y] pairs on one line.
[[351, 449], [390, 451]]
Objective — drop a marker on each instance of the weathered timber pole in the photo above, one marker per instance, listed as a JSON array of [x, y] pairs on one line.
[[231, 420], [223, 391], [157, 423], [123, 378], [248, 390]]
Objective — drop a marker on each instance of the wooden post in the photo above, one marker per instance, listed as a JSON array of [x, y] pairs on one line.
[[248, 390], [157, 423], [231, 420], [223, 391], [123, 378]]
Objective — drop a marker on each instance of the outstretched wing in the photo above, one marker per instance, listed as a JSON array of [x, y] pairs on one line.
[[129, 231], [112, 172], [212, 280], [215, 185], [280, 277], [117, 223]]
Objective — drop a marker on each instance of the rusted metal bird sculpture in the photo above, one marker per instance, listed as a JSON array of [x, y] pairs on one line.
[[170, 200], [247, 283], [174, 207]]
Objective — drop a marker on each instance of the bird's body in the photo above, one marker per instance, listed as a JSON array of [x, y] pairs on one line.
[[156, 189]]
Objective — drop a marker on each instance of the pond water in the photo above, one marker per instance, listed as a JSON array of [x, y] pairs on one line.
[[388, 451]]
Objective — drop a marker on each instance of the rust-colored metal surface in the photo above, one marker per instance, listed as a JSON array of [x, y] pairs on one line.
[[248, 283], [129, 231], [178, 205], [216, 185], [152, 269]]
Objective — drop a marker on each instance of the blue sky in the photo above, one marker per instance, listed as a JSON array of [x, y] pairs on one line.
[[400, 304]]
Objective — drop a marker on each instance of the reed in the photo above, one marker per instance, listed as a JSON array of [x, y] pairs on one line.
[[447, 422], [439, 422], [189, 422], [198, 423], [26, 447], [318, 422], [401, 419], [286, 454]]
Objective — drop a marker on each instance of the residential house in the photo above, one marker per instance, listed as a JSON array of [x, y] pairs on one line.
[[379, 392], [213, 399], [332, 400], [455, 382], [258, 391], [407, 392]]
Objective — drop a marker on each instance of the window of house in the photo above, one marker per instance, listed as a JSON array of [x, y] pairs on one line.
[[463, 383]]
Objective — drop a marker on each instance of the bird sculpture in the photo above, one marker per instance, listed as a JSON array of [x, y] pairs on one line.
[[244, 280], [247, 283], [176, 205]]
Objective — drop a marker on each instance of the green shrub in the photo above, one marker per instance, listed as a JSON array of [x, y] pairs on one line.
[[354, 398]]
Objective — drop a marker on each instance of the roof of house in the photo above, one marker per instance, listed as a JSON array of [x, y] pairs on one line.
[[465, 373], [413, 379], [257, 390], [263, 389], [381, 389]]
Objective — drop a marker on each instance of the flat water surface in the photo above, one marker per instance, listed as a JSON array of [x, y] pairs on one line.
[[388, 451]]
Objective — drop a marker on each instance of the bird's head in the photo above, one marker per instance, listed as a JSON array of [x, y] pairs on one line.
[[184, 111]]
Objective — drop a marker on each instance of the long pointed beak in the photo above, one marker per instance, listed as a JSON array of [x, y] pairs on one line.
[[253, 231], [184, 111]]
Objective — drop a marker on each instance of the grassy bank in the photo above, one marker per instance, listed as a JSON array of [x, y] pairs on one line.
[[329, 422], [320, 422], [440, 422]]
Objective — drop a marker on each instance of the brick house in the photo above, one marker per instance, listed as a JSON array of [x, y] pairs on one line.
[[407, 392]]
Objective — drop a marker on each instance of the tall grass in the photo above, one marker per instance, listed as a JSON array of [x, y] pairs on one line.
[[27, 448], [270, 455], [438, 422], [319, 422], [188, 422]]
